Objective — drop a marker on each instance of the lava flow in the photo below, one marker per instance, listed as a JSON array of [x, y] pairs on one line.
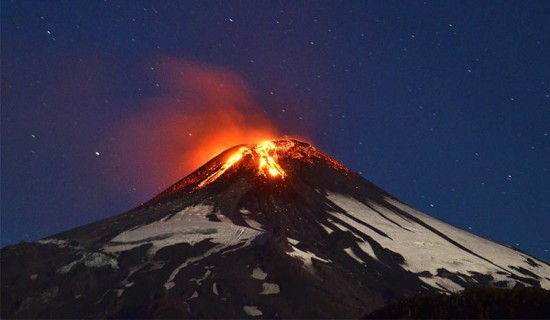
[[264, 154], [271, 160]]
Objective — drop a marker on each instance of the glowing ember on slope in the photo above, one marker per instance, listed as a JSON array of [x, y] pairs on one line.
[[264, 154], [268, 156], [272, 160], [228, 164]]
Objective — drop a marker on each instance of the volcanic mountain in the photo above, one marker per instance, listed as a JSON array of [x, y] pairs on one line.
[[277, 230]]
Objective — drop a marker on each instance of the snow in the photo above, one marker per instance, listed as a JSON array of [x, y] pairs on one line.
[[363, 245], [228, 235], [305, 256], [367, 248], [492, 251], [270, 288], [58, 242], [258, 273], [327, 229], [425, 250], [350, 253], [439, 282], [98, 260], [131, 271], [215, 289], [244, 211], [199, 281], [294, 242], [252, 311], [90, 259], [254, 224], [187, 226], [156, 265], [118, 292], [170, 284], [49, 294]]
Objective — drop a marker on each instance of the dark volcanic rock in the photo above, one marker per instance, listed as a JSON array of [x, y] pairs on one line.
[[284, 232], [478, 303]]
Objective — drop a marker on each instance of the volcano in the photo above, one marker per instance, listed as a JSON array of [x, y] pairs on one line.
[[276, 230]]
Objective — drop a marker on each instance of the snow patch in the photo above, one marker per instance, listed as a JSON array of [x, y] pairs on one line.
[[294, 242], [156, 265], [169, 285], [363, 245], [49, 294], [131, 271], [252, 311], [118, 292], [244, 211], [270, 288], [442, 283], [350, 253], [327, 229], [199, 281], [367, 248], [254, 224], [305, 256], [231, 235], [91, 259], [258, 273], [57, 242], [187, 226], [215, 289]]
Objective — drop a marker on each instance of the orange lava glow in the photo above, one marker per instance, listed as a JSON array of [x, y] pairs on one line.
[[265, 155], [200, 112], [267, 151], [228, 164]]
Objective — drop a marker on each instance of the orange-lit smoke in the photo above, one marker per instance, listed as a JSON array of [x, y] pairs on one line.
[[202, 110]]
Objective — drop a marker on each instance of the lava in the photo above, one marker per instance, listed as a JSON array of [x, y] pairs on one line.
[[236, 157], [267, 152], [264, 154], [271, 160]]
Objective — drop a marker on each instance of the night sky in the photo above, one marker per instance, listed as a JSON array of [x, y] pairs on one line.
[[444, 104]]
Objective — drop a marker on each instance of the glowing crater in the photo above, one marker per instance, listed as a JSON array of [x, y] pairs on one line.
[[265, 154]]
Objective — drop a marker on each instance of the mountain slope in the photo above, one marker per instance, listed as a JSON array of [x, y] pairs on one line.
[[275, 230]]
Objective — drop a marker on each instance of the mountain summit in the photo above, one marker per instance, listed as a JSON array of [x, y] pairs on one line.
[[277, 230]]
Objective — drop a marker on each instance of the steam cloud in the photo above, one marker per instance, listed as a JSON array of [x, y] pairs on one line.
[[201, 111]]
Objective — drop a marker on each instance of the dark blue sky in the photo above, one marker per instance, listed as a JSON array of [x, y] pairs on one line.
[[444, 104]]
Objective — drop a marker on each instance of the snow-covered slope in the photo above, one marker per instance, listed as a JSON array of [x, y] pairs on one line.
[[191, 225], [430, 246], [276, 230]]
